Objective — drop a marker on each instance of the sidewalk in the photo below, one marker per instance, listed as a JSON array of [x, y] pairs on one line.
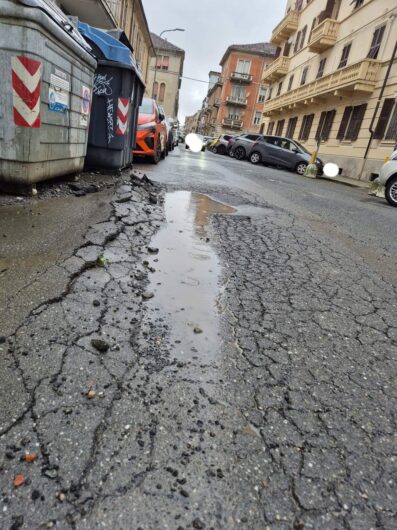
[[354, 183]]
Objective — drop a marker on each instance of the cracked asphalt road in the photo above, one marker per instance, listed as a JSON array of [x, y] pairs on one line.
[[279, 415]]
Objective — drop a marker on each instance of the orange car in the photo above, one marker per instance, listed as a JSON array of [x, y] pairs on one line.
[[151, 136]]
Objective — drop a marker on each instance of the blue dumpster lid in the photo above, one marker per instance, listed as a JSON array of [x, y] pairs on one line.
[[112, 49]]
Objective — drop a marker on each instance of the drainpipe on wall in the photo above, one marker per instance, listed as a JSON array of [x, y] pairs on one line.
[[371, 127]]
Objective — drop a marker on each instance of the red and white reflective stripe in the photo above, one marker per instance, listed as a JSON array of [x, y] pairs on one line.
[[122, 115], [26, 82]]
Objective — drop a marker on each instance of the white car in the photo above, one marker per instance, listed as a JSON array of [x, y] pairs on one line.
[[386, 183]]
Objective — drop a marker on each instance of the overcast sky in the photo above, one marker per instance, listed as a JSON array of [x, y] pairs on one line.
[[211, 26]]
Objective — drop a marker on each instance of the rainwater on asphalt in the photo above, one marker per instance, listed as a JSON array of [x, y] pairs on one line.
[[185, 282]]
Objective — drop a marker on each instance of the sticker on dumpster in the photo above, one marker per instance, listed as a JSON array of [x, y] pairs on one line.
[[85, 106], [122, 115], [26, 83], [110, 119], [58, 92]]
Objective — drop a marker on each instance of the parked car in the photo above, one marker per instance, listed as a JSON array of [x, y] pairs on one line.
[[220, 147], [242, 145], [387, 180], [151, 136], [284, 152]]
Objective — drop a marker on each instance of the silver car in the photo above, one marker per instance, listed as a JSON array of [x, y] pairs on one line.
[[386, 184], [282, 152], [242, 145]]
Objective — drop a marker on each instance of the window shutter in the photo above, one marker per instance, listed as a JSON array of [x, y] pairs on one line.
[[308, 126], [304, 31], [345, 56], [278, 52], [383, 119], [297, 40], [392, 130], [376, 42], [280, 127], [270, 127], [355, 122], [344, 123], [320, 125], [329, 120], [291, 127]]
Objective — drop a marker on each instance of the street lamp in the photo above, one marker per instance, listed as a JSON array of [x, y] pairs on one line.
[[155, 66]]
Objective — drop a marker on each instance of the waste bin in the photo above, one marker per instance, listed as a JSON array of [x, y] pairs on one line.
[[47, 72], [117, 94]]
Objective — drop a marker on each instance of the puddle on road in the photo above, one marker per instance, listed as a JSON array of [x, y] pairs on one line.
[[185, 282]]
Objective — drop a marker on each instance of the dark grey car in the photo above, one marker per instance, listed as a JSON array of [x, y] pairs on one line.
[[242, 145], [281, 151]]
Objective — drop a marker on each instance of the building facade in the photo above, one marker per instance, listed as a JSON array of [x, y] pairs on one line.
[[234, 102], [334, 81], [128, 15], [192, 123], [166, 70]]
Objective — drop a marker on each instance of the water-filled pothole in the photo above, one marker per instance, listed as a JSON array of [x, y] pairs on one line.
[[186, 276]]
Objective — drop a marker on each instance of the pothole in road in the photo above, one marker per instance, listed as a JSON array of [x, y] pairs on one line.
[[185, 279]]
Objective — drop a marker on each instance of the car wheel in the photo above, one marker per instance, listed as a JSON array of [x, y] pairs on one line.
[[300, 168], [239, 153], [230, 153], [391, 191], [255, 157], [164, 153], [157, 155]]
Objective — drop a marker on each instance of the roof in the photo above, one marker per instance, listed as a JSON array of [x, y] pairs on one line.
[[264, 49], [164, 44]]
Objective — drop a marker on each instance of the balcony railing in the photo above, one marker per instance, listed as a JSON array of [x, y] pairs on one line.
[[324, 35], [233, 124], [240, 77], [358, 78], [219, 81], [287, 27], [233, 100], [278, 68]]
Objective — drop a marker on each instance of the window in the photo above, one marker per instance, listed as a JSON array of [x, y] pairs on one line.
[[304, 75], [297, 41], [162, 62], [270, 127], [234, 113], [306, 126], [280, 127], [280, 86], [345, 56], [298, 5], [376, 42], [262, 94], [243, 66], [321, 67], [357, 3], [303, 37], [290, 81], [238, 93], [257, 117], [291, 127], [351, 122], [162, 92], [387, 123], [325, 125], [155, 89], [270, 93], [312, 28]]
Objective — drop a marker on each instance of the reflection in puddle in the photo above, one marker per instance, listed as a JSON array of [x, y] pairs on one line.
[[185, 282]]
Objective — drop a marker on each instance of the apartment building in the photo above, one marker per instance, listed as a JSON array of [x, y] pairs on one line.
[[166, 70], [192, 123], [128, 15], [234, 102], [334, 81]]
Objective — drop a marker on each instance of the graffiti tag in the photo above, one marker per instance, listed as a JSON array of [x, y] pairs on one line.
[[102, 85], [109, 119]]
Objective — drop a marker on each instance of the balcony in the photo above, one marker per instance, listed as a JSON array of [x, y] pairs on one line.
[[240, 77], [219, 81], [217, 102], [99, 13], [324, 36], [234, 100], [286, 28], [278, 68], [359, 78], [232, 124]]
